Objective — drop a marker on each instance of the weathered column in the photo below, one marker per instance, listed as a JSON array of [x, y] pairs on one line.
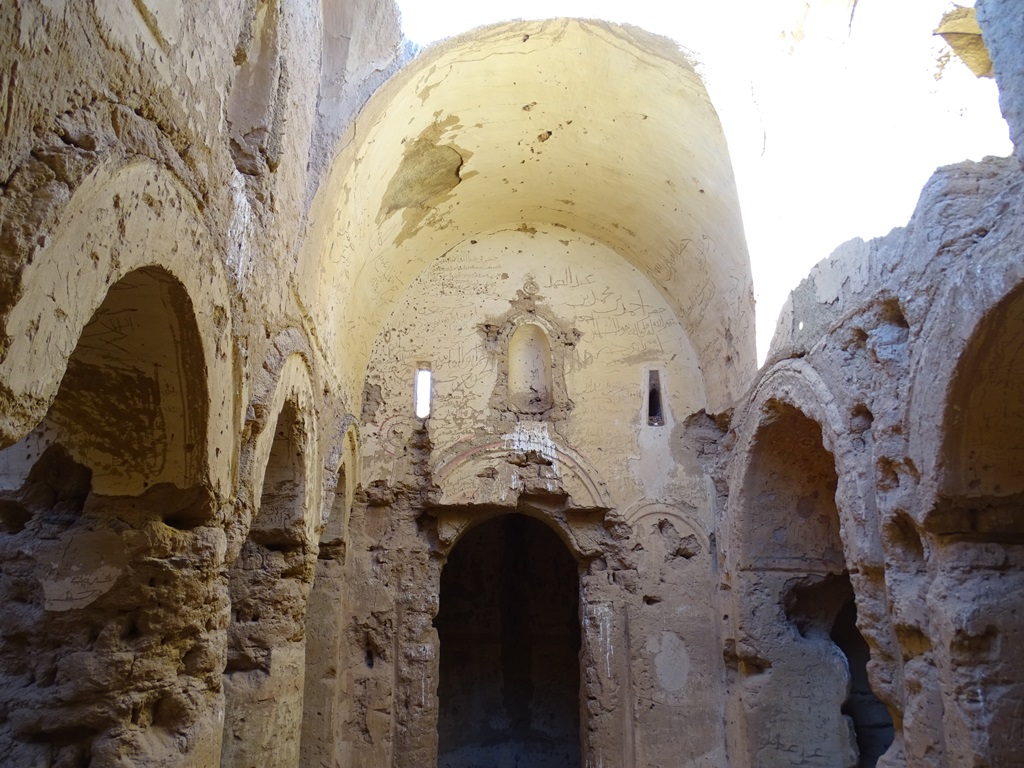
[[416, 660], [606, 712]]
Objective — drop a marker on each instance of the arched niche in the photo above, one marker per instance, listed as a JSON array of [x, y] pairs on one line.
[[792, 589], [983, 449], [975, 535], [509, 635], [789, 494], [110, 231], [270, 578], [530, 387], [125, 407], [103, 513], [329, 609]]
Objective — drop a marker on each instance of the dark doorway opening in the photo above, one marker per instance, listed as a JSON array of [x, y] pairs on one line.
[[872, 722], [510, 640]]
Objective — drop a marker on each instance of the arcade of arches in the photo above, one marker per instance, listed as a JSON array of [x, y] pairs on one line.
[[233, 235]]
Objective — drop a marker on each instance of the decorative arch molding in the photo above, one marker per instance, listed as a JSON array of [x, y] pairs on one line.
[[952, 325], [796, 383], [453, 526], [341, 478], [122, 218], [291, 385], [498, 470], [645, 511], [529, 332]]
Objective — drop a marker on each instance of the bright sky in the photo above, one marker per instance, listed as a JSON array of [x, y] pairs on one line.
[[833, 126]]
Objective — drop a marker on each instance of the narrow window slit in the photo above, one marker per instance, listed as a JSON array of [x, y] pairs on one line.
[[655, 416], [423, 391]]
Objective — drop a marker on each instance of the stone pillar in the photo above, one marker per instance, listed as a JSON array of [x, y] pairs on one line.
[[416, 660], [606, 707], [977, 608]]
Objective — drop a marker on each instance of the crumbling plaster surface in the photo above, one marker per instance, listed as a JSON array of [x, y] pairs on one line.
[[607, 326], [138, 245], [122, 195], [882, 332], [551, 128], [123, 218]]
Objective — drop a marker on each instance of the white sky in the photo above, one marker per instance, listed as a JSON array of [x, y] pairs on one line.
[[833, 126]]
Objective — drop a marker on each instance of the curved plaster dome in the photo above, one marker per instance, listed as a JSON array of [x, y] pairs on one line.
[[583, 125]]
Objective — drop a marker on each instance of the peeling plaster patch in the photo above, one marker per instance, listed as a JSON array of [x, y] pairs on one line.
[[88, 567], [601, 614], [426, 171], [532, 436], [671, 661], [515, 484], [240, 229], [425, 93]]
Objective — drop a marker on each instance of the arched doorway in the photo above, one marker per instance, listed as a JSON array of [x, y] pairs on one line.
[[802, 683], [975, 531], [509, 633], [105, 545], [268, 584]]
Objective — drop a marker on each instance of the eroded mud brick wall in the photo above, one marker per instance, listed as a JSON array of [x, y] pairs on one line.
[[893, 380], [155, 165], [229, 242]]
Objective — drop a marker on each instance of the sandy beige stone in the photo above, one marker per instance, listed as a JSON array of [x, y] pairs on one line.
[[230, 238]]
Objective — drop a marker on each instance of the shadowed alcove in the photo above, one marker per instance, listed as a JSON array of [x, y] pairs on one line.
[[976, 527], [100, 505], [510, 638], [263, 678], [809, 691]]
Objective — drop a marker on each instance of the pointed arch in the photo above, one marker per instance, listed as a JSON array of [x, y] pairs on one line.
[[270, 575]]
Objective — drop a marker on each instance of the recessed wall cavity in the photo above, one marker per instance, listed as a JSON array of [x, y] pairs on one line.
[[872, 723], [790, 495], [508, 627], [269, 582], [96, 519], [136, 344], [423, 391], [985, 444], [976, 530], [792, 689], [655, 412], [529, 370]]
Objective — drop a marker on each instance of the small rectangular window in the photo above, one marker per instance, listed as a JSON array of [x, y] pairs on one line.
[[655, 415], [423, 391]]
